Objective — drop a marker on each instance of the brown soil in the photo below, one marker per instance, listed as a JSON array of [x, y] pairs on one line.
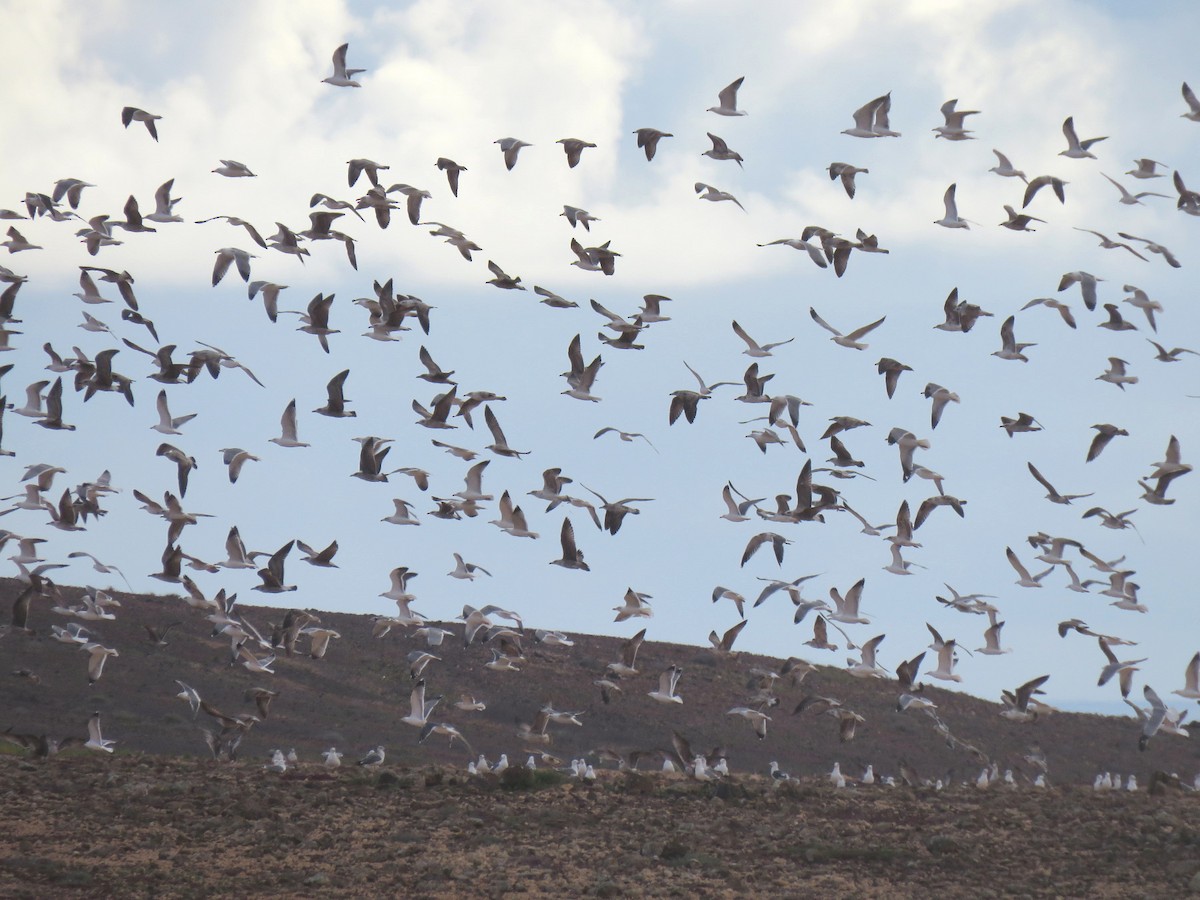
[[145, 826]]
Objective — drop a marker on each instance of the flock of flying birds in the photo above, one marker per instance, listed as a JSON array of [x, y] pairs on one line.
[[496, 632]]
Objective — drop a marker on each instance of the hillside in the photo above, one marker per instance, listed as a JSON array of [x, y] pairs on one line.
[[354, 697]]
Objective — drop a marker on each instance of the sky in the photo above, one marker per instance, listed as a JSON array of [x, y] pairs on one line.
[[238, 82]]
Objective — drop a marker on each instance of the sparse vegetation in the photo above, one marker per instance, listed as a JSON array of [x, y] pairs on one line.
[[196, 829]]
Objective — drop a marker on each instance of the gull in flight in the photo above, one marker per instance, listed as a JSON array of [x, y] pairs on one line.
[[1131, 199], [97, 655], [95, 741], [1189, 97], [1153, 247], [648, 138], [1019, 221], [16, 241], [777, 542], [720, 150], [235, 458], [231, 168], [511, 147], [708, 192], [287, 424], [951, 219], [667, 682], [1025, 579], [131, 114], [575, 216], [1051, 303], [758, 719], [419, 707], [1077, 149], [850, 340], [1147, 168], [1009, 348], [753, 348], [574, 148], [1016, 703], [342, 77], [1109, 244], [1191, 675], [466, 570], [502, 279], [846, 172], [1165, 355], [572, 556], [168, 424], [1114, 666], [1116, 373], [1040, 182], [626, 436], [727, 100], [871, 119], [1105, 434], [1053, 496], [892, 369], [1005, 169], [954, 129], [452, 169], [228, 256], [1087, 286], [635, 606], [1024, 423]]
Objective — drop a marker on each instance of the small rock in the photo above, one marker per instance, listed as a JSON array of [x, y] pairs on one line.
[[673, 849], [941, 844], [318, 878]]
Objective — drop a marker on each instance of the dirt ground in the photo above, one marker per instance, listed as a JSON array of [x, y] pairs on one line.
[[143, 826]]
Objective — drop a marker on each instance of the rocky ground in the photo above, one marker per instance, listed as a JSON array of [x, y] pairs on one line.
[[145, 826]]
